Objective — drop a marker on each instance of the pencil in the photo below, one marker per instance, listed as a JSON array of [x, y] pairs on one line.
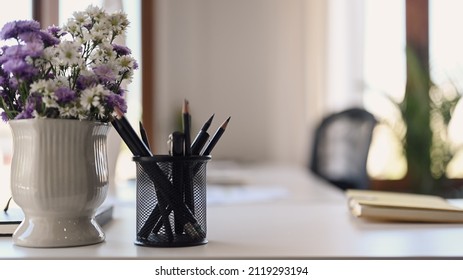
[[202, 137], [176, 150], [207, 124], [143, 135], [188, 187], [187, 127], [138, 148], [216, 137], [128, 141], [130, 137]]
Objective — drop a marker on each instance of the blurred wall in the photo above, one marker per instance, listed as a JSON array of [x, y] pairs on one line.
[[246, 59]]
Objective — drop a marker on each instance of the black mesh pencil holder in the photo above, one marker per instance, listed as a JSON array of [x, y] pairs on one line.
[[171, 200]]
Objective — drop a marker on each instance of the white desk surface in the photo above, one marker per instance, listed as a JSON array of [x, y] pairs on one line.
[[311, 222]]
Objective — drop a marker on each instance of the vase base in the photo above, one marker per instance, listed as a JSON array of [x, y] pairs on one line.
[[43, 232]]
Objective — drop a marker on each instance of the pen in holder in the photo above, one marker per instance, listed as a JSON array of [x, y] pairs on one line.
[[171, 200]]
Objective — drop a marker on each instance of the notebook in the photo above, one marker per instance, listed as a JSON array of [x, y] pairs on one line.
[[393, 206]]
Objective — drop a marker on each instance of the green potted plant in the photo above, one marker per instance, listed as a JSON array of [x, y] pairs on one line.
[[426, 111]]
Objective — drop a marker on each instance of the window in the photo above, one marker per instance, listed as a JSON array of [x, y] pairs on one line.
[[446, 64], [385, 76], [384, 80], [23, 10]]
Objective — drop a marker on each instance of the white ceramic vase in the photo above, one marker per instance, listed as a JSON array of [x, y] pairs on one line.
[[59, 176]]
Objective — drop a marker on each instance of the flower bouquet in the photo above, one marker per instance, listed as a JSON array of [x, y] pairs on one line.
[[74, 72], [59, 88]]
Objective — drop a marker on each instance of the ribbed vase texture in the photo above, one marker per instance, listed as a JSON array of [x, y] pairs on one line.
[[59, 176]]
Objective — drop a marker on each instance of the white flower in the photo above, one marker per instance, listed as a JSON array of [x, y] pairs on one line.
[[101, 111], [126, 62], [42, 86], [49, 57], [68, 112], [118, 22], [60, 81], [49, 100], [103, 54], [97, 36], [68, 53], [92, 96], [84, 37], [36, 114], [102, 26], [89, 99], [73, 28], [95, 12], [81, 18], [99, 32]]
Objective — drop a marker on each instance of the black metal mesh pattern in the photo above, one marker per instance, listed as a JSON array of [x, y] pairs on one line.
[[171, 200]]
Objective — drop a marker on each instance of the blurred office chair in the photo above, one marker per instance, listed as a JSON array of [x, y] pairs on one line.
[[340, 148]]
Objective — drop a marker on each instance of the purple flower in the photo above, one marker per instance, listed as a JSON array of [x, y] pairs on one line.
[[56, 31], [34, 49], [64, 95], [3, 49], [116, 100], [3, 57], [84, 82], [22, 51], [13, 84], [29, 37], [135, 65], [3, 81], [4, 116], [88, 26], [121, 50], [15, 66], [48, 39], [3, 94], [33, 102], [27, 113], [14, 28], [120, 91], [104, 73], [20, 68], [15, 52]]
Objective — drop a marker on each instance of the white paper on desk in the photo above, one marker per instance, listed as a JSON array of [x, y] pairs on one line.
[[458, 202], [217, 194]]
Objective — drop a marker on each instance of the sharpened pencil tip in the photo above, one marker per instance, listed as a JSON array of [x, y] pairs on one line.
[[119, 113], [225, 123], [208, 123], [210, 119], [186, 107]]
